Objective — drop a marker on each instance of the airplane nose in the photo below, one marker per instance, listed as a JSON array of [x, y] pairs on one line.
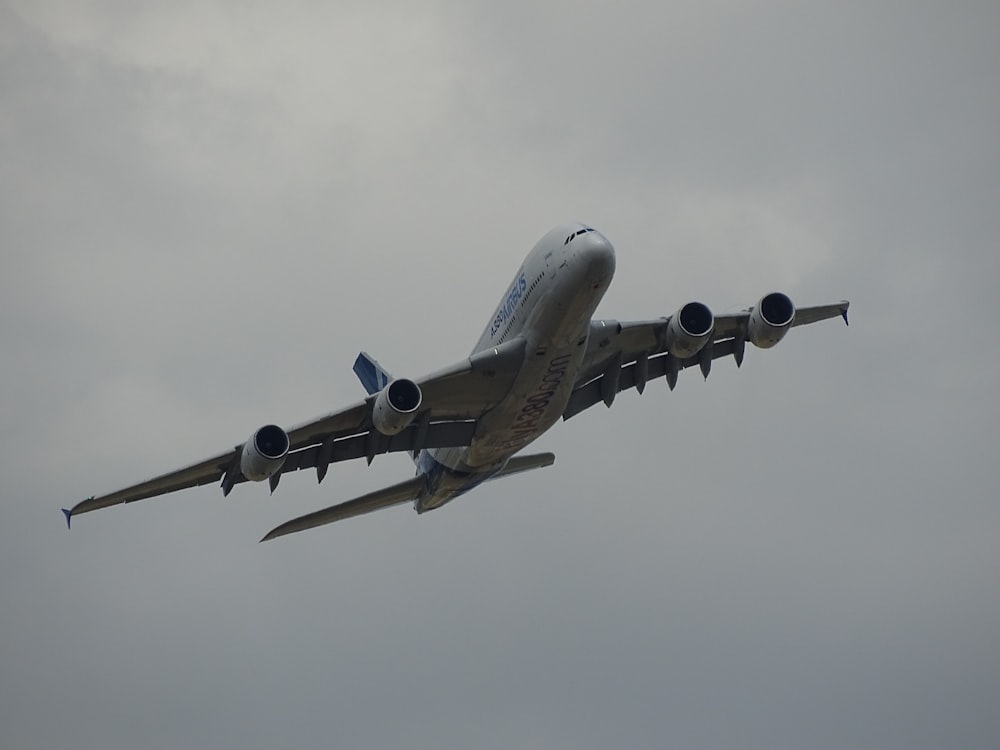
[[598, 257]]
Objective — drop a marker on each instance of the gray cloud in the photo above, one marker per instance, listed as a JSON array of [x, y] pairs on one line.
[[206, 211]]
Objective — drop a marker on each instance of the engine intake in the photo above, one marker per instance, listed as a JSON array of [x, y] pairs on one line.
[[770, 320], [264, 453], [395, 406], [689, 329]]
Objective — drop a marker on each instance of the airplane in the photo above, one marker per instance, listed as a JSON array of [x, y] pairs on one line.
[[540, 358]]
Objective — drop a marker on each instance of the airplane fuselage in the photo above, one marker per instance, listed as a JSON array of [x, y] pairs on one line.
[[549, 305]]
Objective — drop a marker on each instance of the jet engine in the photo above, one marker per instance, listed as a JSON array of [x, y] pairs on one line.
[[395, 406], [770, 320], [689, 329], [264, 453]]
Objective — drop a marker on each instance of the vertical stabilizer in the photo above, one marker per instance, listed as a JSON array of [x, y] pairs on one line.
[[370, 373]]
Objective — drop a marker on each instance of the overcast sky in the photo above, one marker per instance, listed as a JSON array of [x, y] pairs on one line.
[[208, 209]]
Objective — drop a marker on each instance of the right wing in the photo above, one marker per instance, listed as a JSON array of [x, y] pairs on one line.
[[453, 400]]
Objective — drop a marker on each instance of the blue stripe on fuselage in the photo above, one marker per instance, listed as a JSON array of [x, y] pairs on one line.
[[443, 483]]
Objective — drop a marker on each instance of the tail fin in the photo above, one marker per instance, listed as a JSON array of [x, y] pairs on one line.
[[370, 373]]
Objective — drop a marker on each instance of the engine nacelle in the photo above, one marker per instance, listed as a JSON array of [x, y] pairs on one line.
[[264, 453], [395, 406], [770, 320], [689, 330]]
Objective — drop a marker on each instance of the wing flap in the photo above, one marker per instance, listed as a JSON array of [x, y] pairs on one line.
[[438, 435], [384, 498], [593, 392], [353, 419], [609, 337]]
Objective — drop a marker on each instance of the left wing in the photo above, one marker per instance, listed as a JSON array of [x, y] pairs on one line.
[[452, 401], [623, 355]]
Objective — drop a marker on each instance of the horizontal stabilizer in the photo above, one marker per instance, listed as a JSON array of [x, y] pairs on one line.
[[398, 493], [525, 463]]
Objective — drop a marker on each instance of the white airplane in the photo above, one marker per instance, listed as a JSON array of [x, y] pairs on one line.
[[540, 358]]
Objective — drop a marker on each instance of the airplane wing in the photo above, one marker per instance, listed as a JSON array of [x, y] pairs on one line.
[[623, 355], [453, 400]]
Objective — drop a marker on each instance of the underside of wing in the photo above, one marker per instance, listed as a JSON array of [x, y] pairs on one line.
[[623, 355], [635, 374], [449, 403], [205, 472]]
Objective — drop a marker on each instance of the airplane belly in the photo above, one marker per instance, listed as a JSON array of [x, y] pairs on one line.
[[535, 402], [555, 328]]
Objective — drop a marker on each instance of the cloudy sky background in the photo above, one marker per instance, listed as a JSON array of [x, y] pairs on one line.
[[207, 209]]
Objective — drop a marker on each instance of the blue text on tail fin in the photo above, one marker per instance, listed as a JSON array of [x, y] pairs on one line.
[[370, 373]]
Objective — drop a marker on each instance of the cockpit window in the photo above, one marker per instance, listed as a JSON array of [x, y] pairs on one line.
[[577, 234]]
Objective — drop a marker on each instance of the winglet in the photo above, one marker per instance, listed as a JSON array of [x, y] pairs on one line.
[[843, 313], [69, 515]]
